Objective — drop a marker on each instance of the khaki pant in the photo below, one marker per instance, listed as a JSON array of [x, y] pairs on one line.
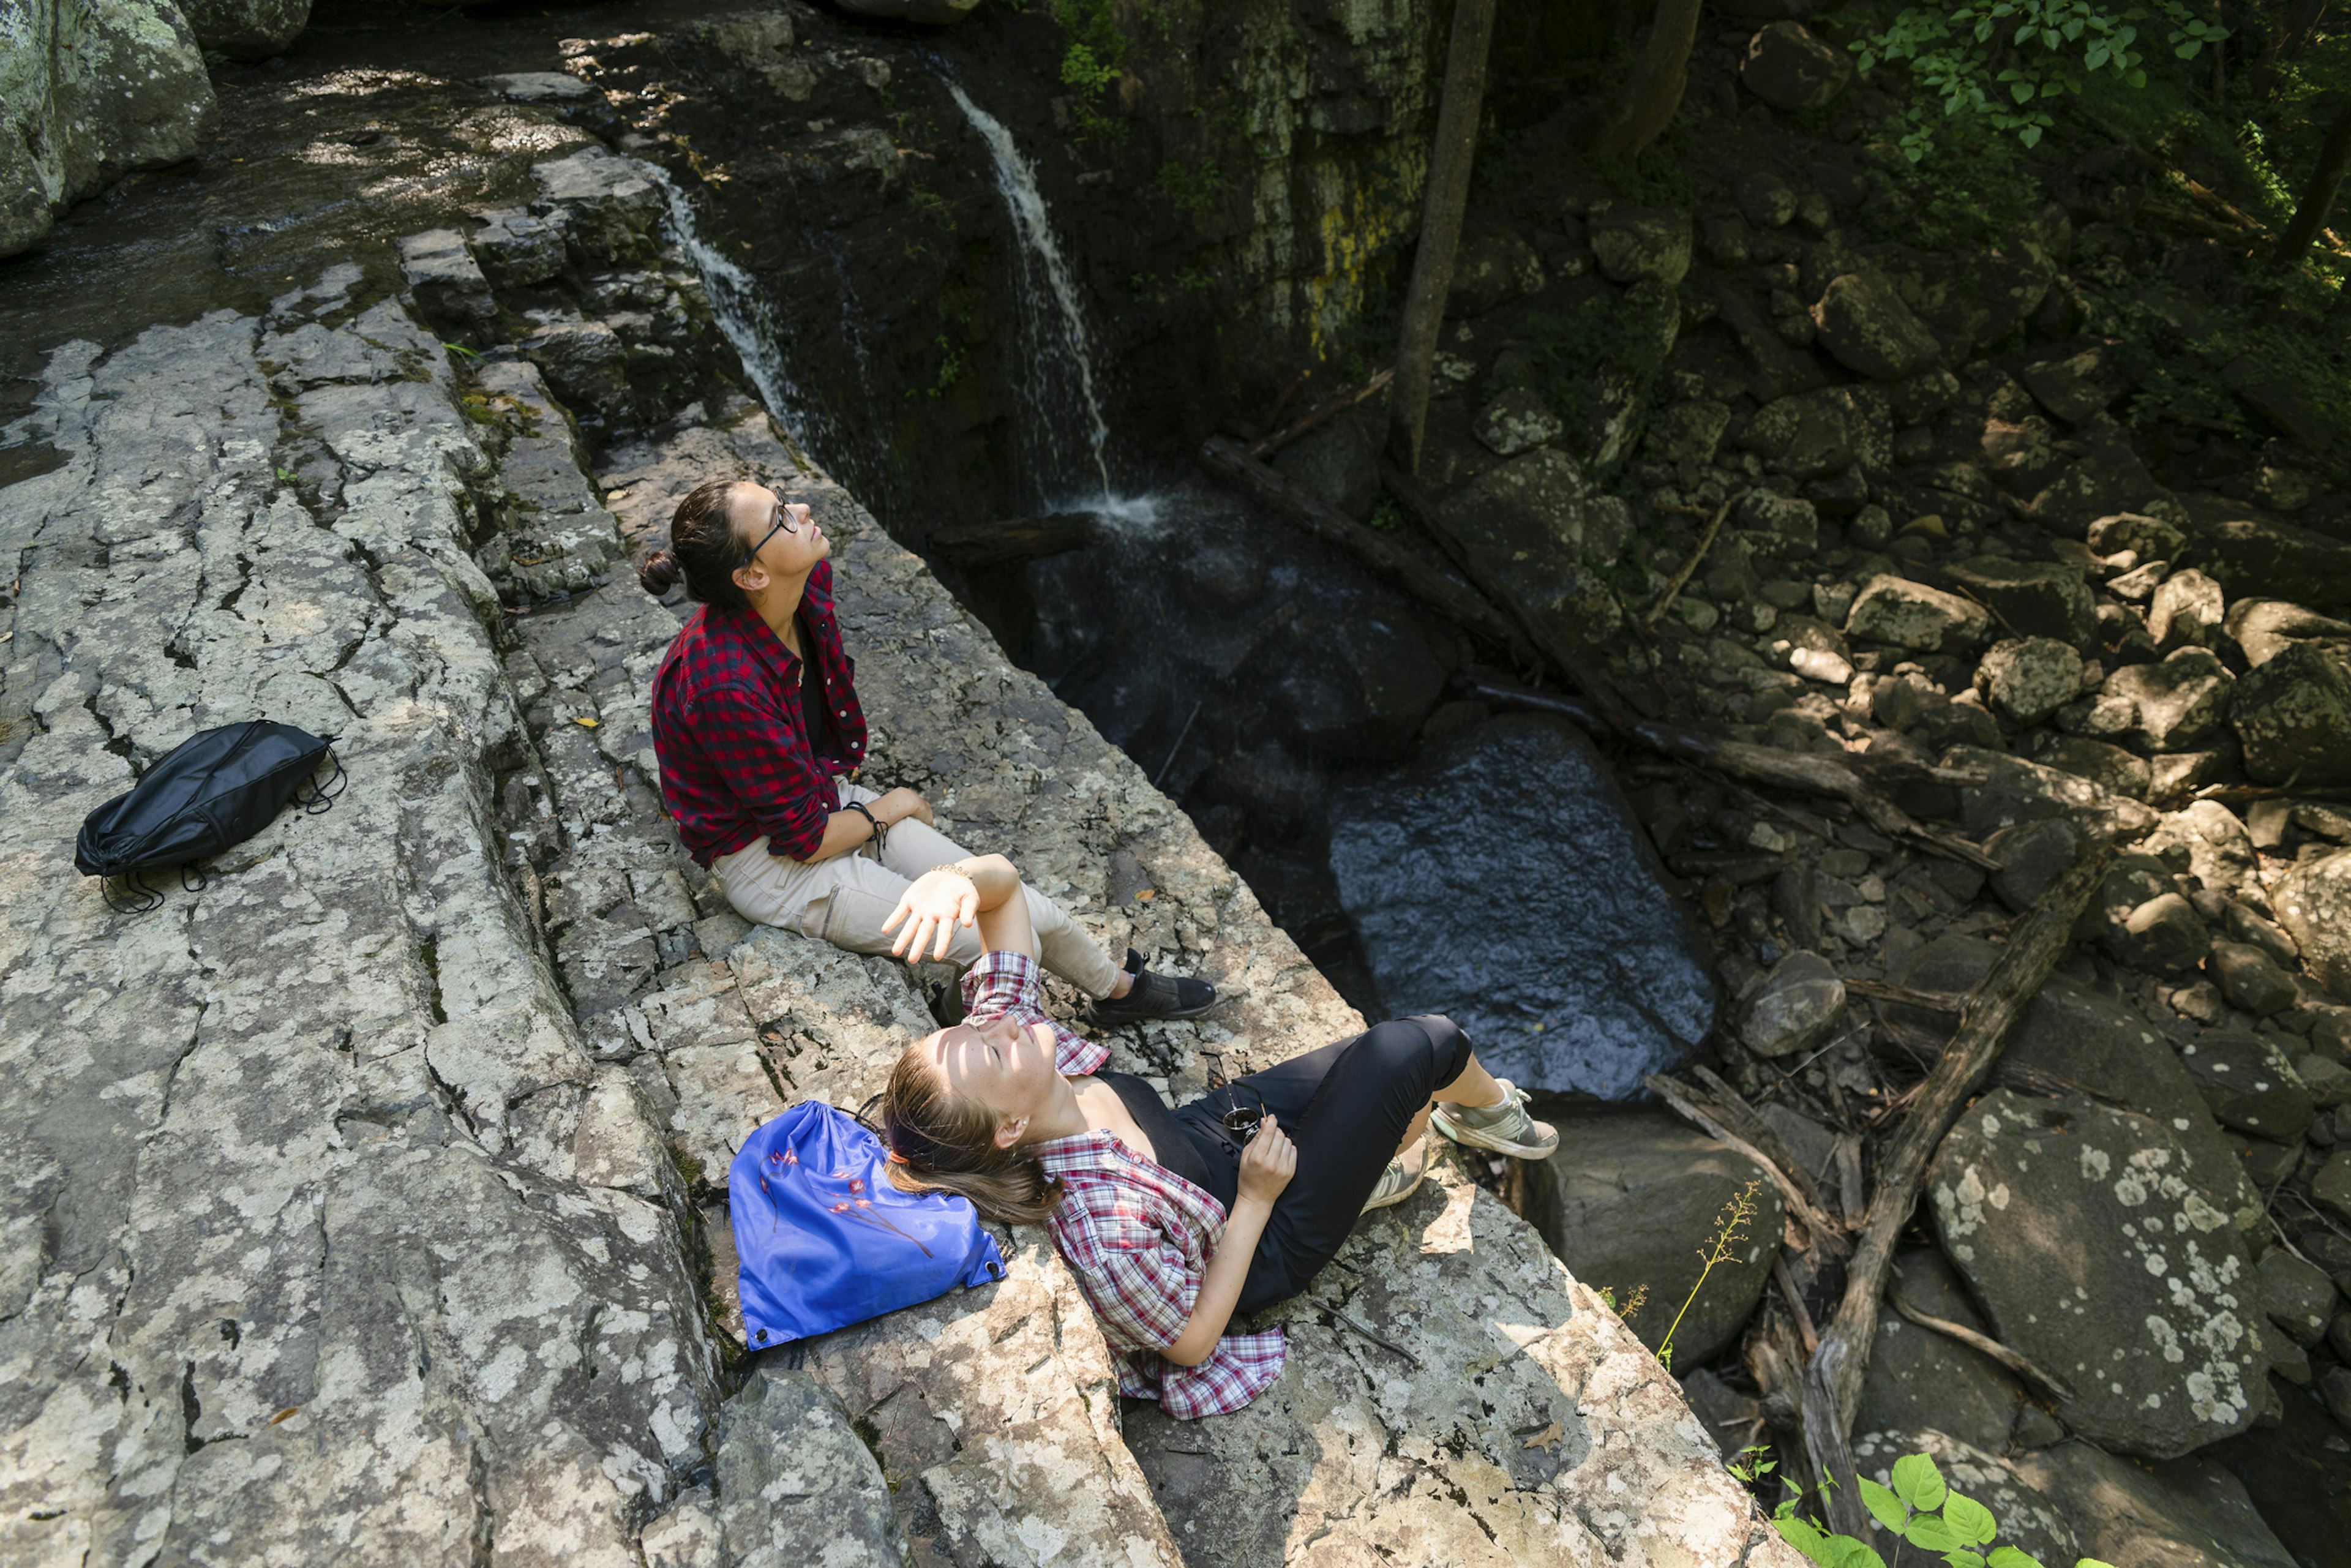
[[844, 900]]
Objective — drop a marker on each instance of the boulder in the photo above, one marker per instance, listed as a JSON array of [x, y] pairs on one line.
[[1535, 1429], [1636, 245], [1517, 420], [2110, 767], [2297, 1295], [1766, 200], [2038, 1526], [2293, 714], [1970, 298], [245, 29], [1813, 434], [1604, 982], [2252, 979], [794, 1482], [515, 247], [1630, 1202], [2151, 539], [2298, 1473], [446, 282], [2033, 855], [587, 364], [611, 208], [1792, 524], [1919, 1380], [2145, 923], [2219, 851], [2248, 1083], [1685, 437], [2106, 480], [1493, 267], [1865, 326], [2080, 1229], [1796, 1009], [2073, 1032], [1338, 463], [1790, 68], [2024, 680], [2264, 628], [2077, 389], [2176, 703], [1912, 615], [2017, 789], [2262, 556], [2037, 598], [2186, 1513], [2328, 1081], [1525, 522], [89, 93], [2187, 609]]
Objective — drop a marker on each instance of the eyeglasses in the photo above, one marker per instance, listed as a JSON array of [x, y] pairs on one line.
[[784, 525], [1241, 1121]]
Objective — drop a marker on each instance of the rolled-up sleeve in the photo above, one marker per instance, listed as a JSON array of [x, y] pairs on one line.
[[759, 745]]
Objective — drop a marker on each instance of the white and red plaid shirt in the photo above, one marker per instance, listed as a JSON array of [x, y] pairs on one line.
[[1137, 1236]]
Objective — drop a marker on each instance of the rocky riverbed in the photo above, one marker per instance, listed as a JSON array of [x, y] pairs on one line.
[[432, 1169]]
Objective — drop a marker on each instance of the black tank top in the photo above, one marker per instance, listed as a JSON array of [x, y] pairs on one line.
[[1171, 1141]]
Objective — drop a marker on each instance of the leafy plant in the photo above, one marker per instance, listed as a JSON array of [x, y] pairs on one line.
[[1092, 62], [2006, 60], [1729, 1228], [1752, 1464], [1968, 189], [1191, 189], [1918, 1509]]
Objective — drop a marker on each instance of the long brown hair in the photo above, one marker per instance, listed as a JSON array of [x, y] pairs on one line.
[[947, 1143], [704, 548]]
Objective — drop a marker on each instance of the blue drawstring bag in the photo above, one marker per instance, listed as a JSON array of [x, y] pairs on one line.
[[823, 1241]]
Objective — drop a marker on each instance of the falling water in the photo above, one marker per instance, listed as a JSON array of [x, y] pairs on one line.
[[1058, 354], [741, 308]]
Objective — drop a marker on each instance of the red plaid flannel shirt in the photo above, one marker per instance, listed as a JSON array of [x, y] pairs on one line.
[[735, 755], [1137, 1236]]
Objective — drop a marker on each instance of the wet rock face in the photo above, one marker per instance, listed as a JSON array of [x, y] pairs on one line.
[[1630, 1202], [2152, 1314], [1594, 981], [89, 93]]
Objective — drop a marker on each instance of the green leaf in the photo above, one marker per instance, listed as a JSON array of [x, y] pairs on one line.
[[1928, 1532], [2010, 1557], [2030, 135], [1884, 1506], [1917, 1482], [1969, 1520], [1963, 1559], [1800, 1535]]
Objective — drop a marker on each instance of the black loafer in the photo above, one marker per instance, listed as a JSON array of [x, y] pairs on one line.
[[1155, 997]]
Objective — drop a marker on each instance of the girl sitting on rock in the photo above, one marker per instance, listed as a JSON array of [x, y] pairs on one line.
[[1172, 1223], [757, 725]]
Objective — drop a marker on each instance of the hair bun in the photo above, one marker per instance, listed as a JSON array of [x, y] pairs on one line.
[[659, 573]]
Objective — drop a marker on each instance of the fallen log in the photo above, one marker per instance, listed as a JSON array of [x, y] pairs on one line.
[[1010, 540], [1456, 602], [1570, 666], [1320, 415], [1680, 579], [1799, 771], [1833, 1376]]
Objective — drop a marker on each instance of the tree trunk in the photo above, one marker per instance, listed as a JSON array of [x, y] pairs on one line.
[[1440, 226], [1645, 104], [2318, 195]]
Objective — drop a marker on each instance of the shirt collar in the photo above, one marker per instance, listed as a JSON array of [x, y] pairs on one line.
[[1096, 1148]]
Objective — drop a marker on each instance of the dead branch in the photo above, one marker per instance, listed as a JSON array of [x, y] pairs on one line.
[[1680, 579], [1321, 413], [1883, 991], [1985, 1344], [1824, 1230], [1833, 1379]]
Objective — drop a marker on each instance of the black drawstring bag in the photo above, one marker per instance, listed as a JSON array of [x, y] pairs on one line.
[[213, 789]]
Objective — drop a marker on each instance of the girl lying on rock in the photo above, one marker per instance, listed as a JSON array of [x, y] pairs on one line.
[[1172, 1222], [757, 725]]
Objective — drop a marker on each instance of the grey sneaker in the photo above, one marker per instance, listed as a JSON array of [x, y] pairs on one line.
[[1506, 1128], [1396, 1183]]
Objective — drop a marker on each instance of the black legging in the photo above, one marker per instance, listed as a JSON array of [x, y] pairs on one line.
[[1346, 1107]]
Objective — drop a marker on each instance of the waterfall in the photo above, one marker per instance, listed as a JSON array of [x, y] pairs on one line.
[[1057, 376], [740, 305]]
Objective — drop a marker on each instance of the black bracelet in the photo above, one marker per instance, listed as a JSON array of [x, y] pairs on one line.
[[881, 833]]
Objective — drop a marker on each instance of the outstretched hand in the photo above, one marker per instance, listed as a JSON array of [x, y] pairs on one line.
[[933, 908]]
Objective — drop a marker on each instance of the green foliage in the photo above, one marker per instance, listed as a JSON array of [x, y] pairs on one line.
[[1578, 356], [1966, 188], [1753, 1463], [1092, 62], [1190, 189], [2006, 62], [1920, 1508], [950, 369], [1730, 1226]]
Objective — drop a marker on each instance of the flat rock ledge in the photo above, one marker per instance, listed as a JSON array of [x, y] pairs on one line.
[[372, 1196]]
